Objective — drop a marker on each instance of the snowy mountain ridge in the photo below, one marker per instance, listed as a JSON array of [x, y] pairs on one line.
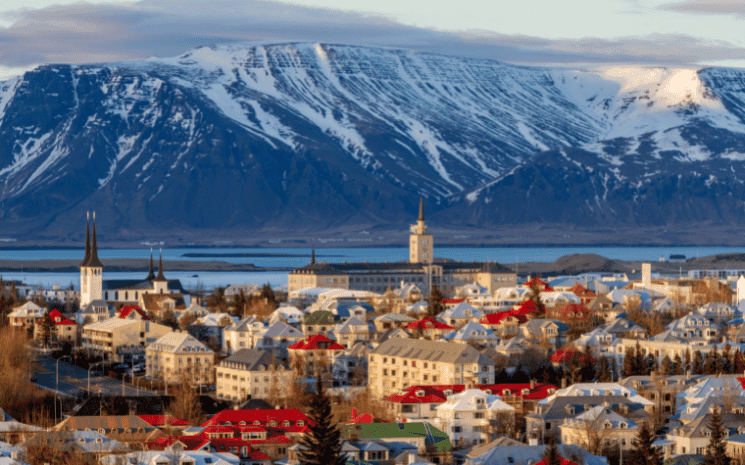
[[289, 134]]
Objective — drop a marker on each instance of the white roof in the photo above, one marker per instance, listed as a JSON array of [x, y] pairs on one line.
[[213, 319], [111, 324], [598, 389], [179, 342], [469, 400], [26, 310]]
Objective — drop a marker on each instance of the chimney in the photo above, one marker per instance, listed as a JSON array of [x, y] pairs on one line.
[[563, 383], [532, 384]]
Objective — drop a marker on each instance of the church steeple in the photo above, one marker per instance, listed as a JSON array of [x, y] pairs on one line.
[[313, 255], [420, 243], [93, 261], [151, 273], [160, 276], [421, 209], [87, 241]]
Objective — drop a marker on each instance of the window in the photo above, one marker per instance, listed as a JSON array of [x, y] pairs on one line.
[[456, 429]]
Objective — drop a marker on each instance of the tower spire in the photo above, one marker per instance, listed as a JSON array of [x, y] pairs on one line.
[[313, 255], [151, 273], [160, 276], [87, 240], [93, 260], [421, 209]]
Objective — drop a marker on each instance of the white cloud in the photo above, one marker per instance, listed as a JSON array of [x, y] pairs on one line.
[[84, 33]]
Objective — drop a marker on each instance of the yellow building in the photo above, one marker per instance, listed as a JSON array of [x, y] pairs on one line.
[[119, 339], [179, 356], [251, 372]]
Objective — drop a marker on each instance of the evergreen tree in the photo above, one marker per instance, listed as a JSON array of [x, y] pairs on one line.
[[644, 453], [725, 361], [738, 362], [696, 363], [629, 363], [46, 328], [434, 301], [677, 365], [687, 362], [267, 293], [535, 296], [716, 452], [551, 455], [321, 444], [666, 368], [639, 361]]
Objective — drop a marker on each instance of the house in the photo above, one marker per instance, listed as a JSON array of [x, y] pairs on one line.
[[520, 396], [429, 328], [474, 334], [351, 331], [399, 363], [350, 367], [209, 328], [122, 340], [460, 314], [505, 324], [420, 402], [600, 427], [126, 429], [567, 403], [95, 311], [158, 304], [293, 316], [585, 295], [277, 338], [531, 454], [472, 416], [179, 457], [694, 437], [391, 320], [242, 334], [131, 312], [544, 331], [624, 328], [25, 316], [318, 322], [662, 390], [425, 437], [65, 330], [177, 357], [604, 307], [315, 353], [251, 373]]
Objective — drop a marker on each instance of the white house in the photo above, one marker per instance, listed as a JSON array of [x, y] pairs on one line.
[[466, 417]]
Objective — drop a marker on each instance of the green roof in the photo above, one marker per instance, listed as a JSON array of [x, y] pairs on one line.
[[432, 435], [320, 317]]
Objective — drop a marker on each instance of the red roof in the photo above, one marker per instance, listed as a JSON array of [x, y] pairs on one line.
[[128, 309], [581, 291], [574, 310], [430, 394], [537, 392], [428, 323], [263, 416], [58, 318], [452, 301], [163, 420], [565, 355], [496, 318], [541, 284], [526, 307], [562, 460], [319, 341]]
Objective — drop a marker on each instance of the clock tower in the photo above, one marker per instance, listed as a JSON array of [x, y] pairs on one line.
[[420, 243]]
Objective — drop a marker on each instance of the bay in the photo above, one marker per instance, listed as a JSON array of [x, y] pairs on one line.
[[297, 257]]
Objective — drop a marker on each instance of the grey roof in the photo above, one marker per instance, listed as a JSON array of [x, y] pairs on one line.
[[346, 327], [281, 329], [433, 351], [561, 408], [535, 326], [696, 429], [252, 360]]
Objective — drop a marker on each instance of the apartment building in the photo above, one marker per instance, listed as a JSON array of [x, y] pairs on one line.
[[398, 363], [251, 372], [26, 315], [121, 340], [178, 355]]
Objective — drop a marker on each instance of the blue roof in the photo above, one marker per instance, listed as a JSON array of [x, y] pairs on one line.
[[342, 308]]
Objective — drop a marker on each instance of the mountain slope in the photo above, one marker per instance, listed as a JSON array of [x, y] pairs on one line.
[[312, 136]]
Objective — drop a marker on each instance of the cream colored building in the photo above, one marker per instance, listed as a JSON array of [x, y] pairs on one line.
[[116, 337], [421, 270], [599, 430], [177, 356], [399, 363], [251, 372]]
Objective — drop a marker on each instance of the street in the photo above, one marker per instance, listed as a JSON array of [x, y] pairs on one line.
[[74, 380]]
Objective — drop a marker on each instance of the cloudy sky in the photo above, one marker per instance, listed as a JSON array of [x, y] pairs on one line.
[[705, 32]]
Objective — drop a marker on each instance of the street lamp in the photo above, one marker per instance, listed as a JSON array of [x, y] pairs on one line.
[[89, 376]]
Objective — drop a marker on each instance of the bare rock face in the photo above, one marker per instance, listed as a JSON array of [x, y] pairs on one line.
[[313, 136]]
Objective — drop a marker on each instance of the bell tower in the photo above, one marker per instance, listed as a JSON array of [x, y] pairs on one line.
[[91, 268], [421, 246]]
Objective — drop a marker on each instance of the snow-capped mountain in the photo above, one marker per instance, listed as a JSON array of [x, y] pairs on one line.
[[312, 135]]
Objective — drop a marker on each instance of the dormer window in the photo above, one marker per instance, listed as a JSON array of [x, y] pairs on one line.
[[420, 393], [257, 422], [448, 392]]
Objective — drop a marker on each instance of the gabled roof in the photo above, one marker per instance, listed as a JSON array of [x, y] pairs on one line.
[[280, 329], [320, 317], [128, 310], [433, 351], [473, 331], [179, 342], [538, 391], [498, 317], [319, 341], [263, 416], [429, 323], [163, 420], [59, 319], [541, 284], [462, 310], [428, 394], [253, 360]]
